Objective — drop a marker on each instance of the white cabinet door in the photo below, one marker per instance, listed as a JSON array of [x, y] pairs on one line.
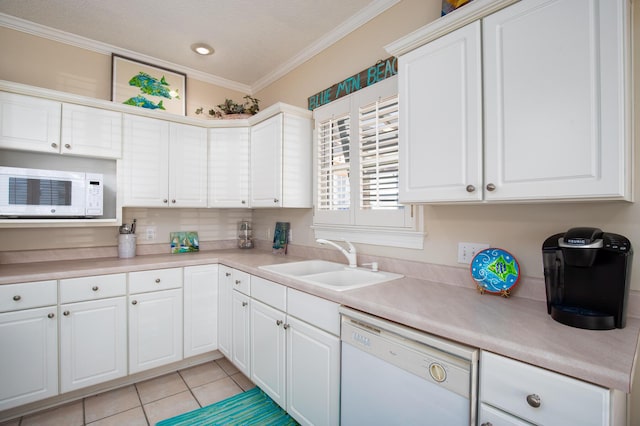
[[313, 374], [29, 124], [555, 100], [441, 119], [155, 329], [200, 309], [225, 300], [29, 354], [145, 161], [187, 166], [93, 342], [91, 132], [240, 336], [266, 163], [229, 167], [268, 345]]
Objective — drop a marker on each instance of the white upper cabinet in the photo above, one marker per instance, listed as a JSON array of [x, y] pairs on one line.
[[165, 164], [229, 167], [441, 123], [554, 105], [281, 162], [91, 132], [29, 124]]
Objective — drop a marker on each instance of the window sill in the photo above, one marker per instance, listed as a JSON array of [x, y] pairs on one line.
[[371, 235]]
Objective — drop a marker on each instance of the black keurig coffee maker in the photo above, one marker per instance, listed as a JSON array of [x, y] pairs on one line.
[[587, 273]]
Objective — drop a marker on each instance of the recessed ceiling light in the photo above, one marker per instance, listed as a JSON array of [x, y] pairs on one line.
[[202, 49]]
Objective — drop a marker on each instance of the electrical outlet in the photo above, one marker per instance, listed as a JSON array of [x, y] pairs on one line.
[[466, 251], [151, 233]]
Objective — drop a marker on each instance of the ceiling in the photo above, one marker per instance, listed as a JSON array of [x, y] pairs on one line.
[[255, 41]]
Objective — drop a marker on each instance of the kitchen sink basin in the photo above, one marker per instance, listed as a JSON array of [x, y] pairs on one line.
[[332, 275]]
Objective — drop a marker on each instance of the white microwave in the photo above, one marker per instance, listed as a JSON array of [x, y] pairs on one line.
[[29, 193]]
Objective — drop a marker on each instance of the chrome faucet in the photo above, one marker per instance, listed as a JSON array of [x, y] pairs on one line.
[[350, 254]]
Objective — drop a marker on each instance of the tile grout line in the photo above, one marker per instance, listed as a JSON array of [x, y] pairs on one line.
[[190, 390], [144, 412]]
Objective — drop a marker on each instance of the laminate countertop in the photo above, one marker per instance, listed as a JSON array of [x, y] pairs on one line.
[[517, 327]]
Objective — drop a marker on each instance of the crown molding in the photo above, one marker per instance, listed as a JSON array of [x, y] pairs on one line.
[[374, 9]]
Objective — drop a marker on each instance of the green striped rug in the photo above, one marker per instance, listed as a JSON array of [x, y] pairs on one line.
[[253, 407]]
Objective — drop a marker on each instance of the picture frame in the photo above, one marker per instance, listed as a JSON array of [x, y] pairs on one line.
[[148, 86]]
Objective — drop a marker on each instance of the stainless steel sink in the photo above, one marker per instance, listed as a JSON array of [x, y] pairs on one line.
[[332, 275]]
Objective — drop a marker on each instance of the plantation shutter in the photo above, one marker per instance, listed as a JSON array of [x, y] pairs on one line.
[[334, 190], [378, 150]]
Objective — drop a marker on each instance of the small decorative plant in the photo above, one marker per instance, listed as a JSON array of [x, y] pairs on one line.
[[249, 107]]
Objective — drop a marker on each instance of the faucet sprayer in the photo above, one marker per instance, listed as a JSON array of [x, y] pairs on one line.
[[350, 254]]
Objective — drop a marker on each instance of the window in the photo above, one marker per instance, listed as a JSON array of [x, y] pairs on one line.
[[356, 171]]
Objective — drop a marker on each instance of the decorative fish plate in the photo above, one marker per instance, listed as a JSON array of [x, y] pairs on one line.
[[495, 271]]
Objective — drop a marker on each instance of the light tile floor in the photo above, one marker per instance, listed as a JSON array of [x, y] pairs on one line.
[[146, 403]]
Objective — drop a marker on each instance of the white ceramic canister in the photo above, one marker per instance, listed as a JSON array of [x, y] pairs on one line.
[[126, 245]]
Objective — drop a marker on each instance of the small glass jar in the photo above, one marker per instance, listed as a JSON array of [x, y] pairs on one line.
[[245, 234]]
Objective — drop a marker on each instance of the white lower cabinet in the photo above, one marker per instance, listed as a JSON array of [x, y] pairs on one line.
[[93, 330], [240, 344], [155, 319], [200, 309], [225, 292], [29, 343], [514, 393], [294, 361]]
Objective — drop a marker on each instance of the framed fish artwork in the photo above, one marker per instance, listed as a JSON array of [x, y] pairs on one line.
[[148, 86]]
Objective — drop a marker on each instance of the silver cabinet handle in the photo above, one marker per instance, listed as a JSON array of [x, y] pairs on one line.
[[165, 201], [491, 187], [286, 326], [533, 400], [245, 303], [54, 145], [95, 288], [17, 297], [227, 274], [487, 424], [66, 145], [66, 313], [470, 188], [134, 302], [173, 201], [243, 202], [279, 323], [275, 200], [238, 282], [157, 280], [51, 316]]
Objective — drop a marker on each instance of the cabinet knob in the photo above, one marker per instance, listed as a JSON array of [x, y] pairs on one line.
[[227, 274], [487, 424], [275, 200], [533, 400], [165, 201], [66, 313], [173, 201], [238, 282], [95, 288], [470, 188], [134, 302], [279, 323], [157, 280], [54, 145], [68, 146], [245, 303], [52, 315], [491, 187], [286, 326], [17, 297], [243, 202]]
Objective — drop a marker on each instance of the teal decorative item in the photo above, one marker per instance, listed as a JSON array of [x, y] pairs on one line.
[[495, 271], [281, 237], [184, 242]]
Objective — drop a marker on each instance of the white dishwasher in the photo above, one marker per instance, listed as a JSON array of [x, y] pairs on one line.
[[396, 375]]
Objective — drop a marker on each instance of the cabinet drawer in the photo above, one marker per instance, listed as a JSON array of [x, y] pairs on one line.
[[158, 279], [91, 288], [315, 310], [490, 416], [14, 297], [506, 384], [242, 282], [273, 294]]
